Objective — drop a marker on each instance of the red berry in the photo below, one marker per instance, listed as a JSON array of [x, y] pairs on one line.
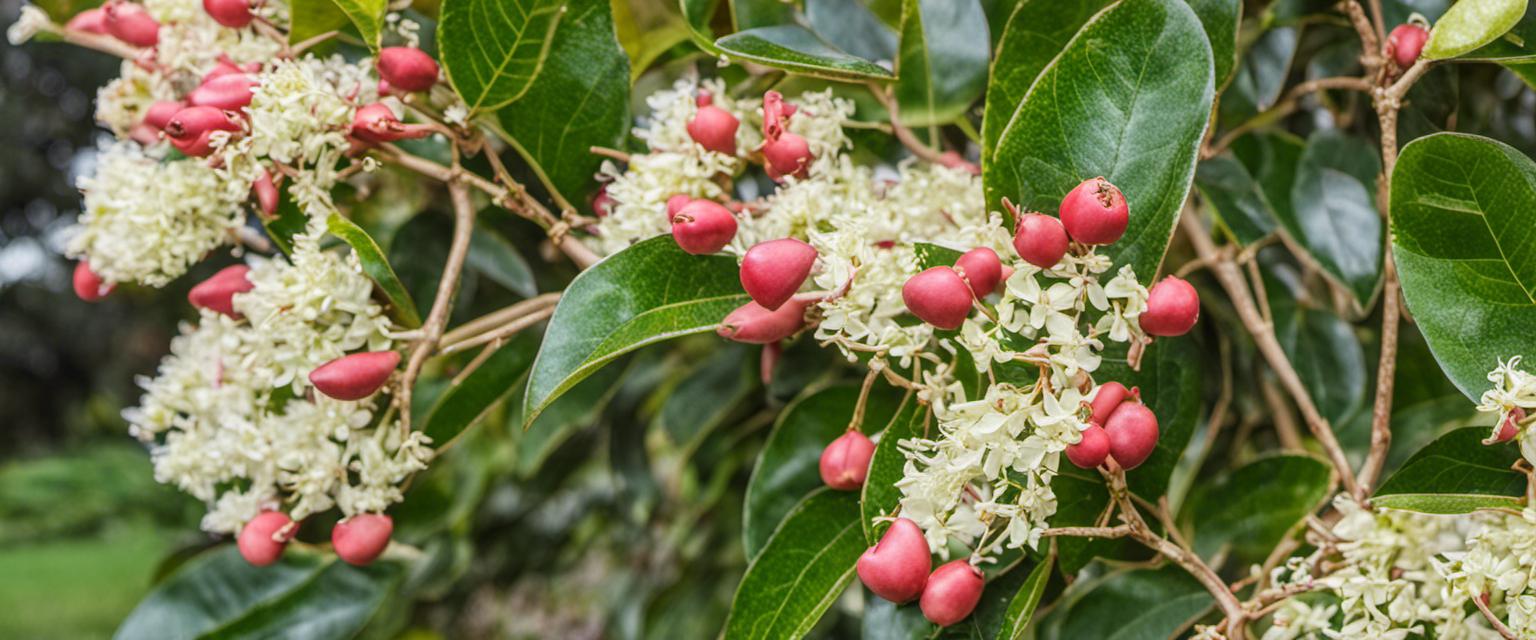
[[407, 68], [1509, 428], [845, 462], [1095, 212], [753, 324], [191, 129], [1132, 431], [981, 269], [776, 113], [676, 204], [1091, 451], [160, 113], [218, 292], [229, 91], [377, 123], [234, 14], [355, 376], [712, 127], [1040, 240], [952, 592], [896, 568], [703, 226], [89, 286], [787, 155], [938, 297], [1405, 43], [89, 21], [263, 539], [773, 271], [223, 67], [1108, 398], [266, 193], [131, 23], [1173, 306], [360, 539]]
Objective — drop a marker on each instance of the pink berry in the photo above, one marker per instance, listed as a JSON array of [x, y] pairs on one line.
[[602, 203], [360, 539], [1107, 399], [1173, 306], [1095, 212], [845, 462], [896, 568], [712, 127], [1132, 431], [938, 297], [160, 113], [1091, 451], [788, 155], [753, 324], [266, 193], [89, 21], [676, 204], [1509, 428], [222, 67], [981, 269], [952, 592], [776, 113], [773, 271], [218, 292], [375, 123], [191, 129], [407, 68], [1040, 240], [263, 539], [703, 226], [230, 91], [131, 23], [355, 376], [235, 14], [1405, 43], [89, 286]]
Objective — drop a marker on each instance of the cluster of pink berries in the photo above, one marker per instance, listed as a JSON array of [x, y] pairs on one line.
[[358, 540], [1120, 427], [897, 569]]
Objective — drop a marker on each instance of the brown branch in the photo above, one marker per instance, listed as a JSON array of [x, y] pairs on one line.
[[442, 303], [499, 317], [502, 332], [903, 134], [1120, 531], [1493, 620], [1370, 43], [1286, 106], [98, 42]]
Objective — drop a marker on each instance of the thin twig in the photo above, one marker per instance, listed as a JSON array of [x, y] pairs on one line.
[[442, 303], [499, 317], [1120, 531], [905, 135], [501, 333], [1493, 620], [1286, 106]]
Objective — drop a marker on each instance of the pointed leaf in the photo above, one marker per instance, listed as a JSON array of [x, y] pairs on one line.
[[795, 49], [1238, 199], [943, 61], [1470, 24], [377, 268], [1220, 19], [493, 49], [801, 570], [367, 16], [888, 465], [1334, 216], [1456, 474], [1138, 604]]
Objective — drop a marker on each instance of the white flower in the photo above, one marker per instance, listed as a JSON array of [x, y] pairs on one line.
[[31, 22]]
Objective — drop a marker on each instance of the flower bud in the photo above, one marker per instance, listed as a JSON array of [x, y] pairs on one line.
[[89, 286], [712, 127], [1509, 428], [776, 113], [159, 114], [1040, 240], [265, 190], [703, 226], [191, 129], [89, 21], [360, 539], [773, 271], [263, 539], [1091, 450], [1173, 306], [753, 324], [896, 568], [602, 203], [1095, 212], [218, 292], [1405, 43], [229, 91], [131, 23], [676, 204], [223, 67], [981, 269], [938, 297], [952, 592], [355, 376], [788, 155], [235, 14], [407, 68], [845, 461], [1132, 431], [1107, 399], [375, 123]]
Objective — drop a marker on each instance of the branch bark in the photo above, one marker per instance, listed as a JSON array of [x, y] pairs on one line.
[[442, 303]]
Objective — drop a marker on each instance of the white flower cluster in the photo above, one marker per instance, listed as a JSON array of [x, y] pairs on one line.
[[1500, 564], [1513, 400], [232, 418]]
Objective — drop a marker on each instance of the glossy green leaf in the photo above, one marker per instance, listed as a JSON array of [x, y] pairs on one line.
[[801, 570], [491, 254], [1170, 384], [1456, 473], [1128, 99], [1261, 75], [795, 49], [1006, 607], [1516, 45], [402, 308], [367, 16], [1470, 24], [579, 408], [1081, 498], [493, 49], [852, 27], [1236, 197], [1324, 350], [931, 255], [1271, 159], [751, 14], [1135, 604], [465, 403], [703, 400], [304, 595], [943, 62], [579, 100], [1251, 508], [1020, 606], [1220, 19], [886, 467], [310, 18], [1333, 215], [1462, 211], [286, 223], [886, 620], [649, 292]]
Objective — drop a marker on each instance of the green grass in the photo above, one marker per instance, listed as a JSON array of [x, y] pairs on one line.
[[76, 588]]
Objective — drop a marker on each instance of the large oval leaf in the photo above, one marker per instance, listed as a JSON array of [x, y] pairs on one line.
[[1220, 19], [943, 62], [1333, 216], [377, 267], [795, 49], [852, 27], [1322, 346], [1456, 474], [493, 49], [649, 292], [1470, 24], [1140, 604], [1462, 211], [803, 568], [1236, 197], [1516, 45], [1254, 506], [1128, 99]]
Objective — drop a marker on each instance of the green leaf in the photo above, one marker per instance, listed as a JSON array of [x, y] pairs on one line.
[[579, 100], [647, 293], [852, 27], [1236, 197], [576, 410], [1516, 45], [377, 267], [493, 49], [943, 62], [1272, 160], [697, 15], [1334, 216], [1138, 604], [1470, 24], [1251, 508], [1128, 99], [288, 222], [1462, 209], [795, 49], [703, 400], [1220, 19], [466, 402], [931, 255], [887, 466], [1007, 604], [492, 255], [1325, 351], [1170, 382], [367, 16], [1261, 75], [801, 570], [750, 14], [304, 595], [310, 18], [787, 468], [1081, 497], [1020, 601], [1456, 473]]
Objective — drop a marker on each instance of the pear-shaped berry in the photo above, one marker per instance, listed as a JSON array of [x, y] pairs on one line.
[[262, 540], [89, 286], [1132, 431], [753, 324], [265, 190], [89, 21], [712, 127], [938, 297], [1091, 450], [981, 269], [1405, 43], [131, 23], [355, 376], [360, 539], [896, 568], [218, 292], [787, 155], [1106, 400], [1095, 212], [845, 461], [159, 114], [1173, 306], [773, 271], [235, 14], [676, 204], [191, 129], [407, 68], [1040, 240], [703, 226], [230, 91], [374, 123], [952, 592]]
